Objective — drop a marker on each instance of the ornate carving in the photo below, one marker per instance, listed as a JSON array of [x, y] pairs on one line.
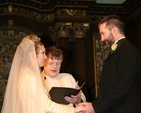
[[27, 12], [32, 14], [61, 30], [10, 23], [69, 30], [10, 8], [45, 11], [80, 30], [71, 12], [95, 18]]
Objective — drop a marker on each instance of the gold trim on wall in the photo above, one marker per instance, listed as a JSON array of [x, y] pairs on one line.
[[100, 54], [95, 70]]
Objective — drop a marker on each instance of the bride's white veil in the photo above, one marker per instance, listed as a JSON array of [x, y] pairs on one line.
[[24, 92]]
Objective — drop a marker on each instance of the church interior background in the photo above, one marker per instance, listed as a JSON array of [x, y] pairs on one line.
[[69, 24]]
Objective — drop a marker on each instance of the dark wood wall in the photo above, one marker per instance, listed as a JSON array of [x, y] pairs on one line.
[[133, 32], [78, 52], [78, 61]]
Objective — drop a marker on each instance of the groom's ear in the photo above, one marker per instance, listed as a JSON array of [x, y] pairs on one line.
[[115, 30]]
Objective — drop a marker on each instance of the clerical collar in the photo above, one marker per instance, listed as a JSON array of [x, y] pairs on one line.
[[119, 39]]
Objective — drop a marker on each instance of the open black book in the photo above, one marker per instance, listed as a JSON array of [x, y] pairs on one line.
[[57, 94]]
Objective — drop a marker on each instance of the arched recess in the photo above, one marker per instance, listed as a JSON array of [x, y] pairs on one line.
[[9, 40]]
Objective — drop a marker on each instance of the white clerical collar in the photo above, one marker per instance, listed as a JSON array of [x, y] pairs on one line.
[[119, 39]]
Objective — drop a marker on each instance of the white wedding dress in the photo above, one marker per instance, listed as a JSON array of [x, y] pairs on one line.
[[25, 92]]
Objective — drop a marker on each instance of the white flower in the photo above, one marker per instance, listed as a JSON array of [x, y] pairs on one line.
[[114, 47]]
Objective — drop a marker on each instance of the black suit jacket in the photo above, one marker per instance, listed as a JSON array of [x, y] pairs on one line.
[[120, 81]]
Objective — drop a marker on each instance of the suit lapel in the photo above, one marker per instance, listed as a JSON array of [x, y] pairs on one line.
[[119, 43]]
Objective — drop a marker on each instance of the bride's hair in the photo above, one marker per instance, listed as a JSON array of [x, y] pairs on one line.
[[36, 40]]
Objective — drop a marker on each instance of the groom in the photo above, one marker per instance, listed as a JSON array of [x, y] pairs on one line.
[[119, 87]]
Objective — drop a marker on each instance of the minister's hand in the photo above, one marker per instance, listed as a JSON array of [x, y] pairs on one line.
[[74, 99]]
